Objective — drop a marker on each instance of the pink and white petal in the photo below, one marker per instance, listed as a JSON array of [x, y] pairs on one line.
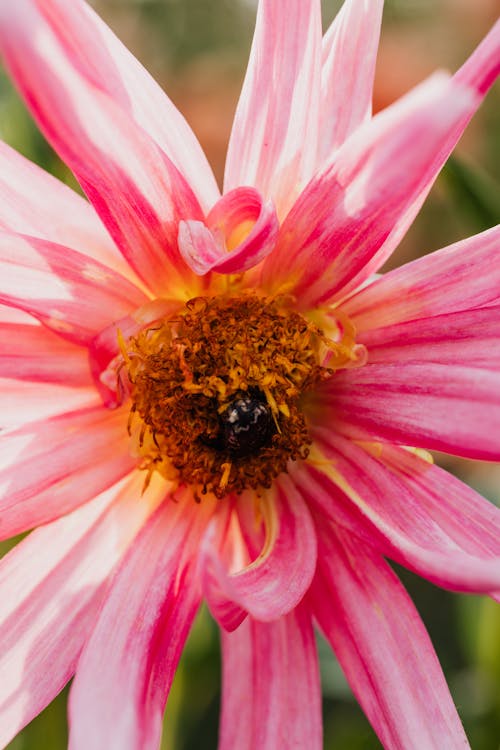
[[136, 190], [126, 669], [107, 64], [469, 336], [445, 407], [32, 352], [23, 401], [271, 693], [279, 104], [383, 648], [35, 203], [12, 315], [346, 222], [276, 581], [471, 521], [240, 231], [199, 248], [51, 587], [482, 68], [348, 69], [68, 292], [401, 508], [458, 277], [51, 467]]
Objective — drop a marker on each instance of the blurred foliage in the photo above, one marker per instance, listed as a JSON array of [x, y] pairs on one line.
[[475, 194], [181, 42]]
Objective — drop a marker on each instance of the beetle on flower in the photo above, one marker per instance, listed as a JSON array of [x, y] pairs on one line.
[[208, 396]]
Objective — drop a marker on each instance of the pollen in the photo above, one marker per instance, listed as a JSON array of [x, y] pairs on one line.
[[218, 391]]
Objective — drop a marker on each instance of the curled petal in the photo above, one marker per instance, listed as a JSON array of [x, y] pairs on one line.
[[276, 581], [240, 231], [271, 695], [383, 648]]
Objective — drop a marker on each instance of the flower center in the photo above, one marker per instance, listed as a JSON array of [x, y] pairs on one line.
[[218, 391]]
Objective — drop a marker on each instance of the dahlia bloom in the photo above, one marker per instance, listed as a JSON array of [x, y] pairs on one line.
[[210, 397]]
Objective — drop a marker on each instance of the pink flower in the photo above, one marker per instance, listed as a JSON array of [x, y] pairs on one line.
[[280, 397]]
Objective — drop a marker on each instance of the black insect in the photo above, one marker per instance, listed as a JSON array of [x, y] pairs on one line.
[[247, 426]]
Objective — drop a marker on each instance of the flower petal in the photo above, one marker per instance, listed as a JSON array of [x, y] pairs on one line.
[[352, 214], [410, 510], [70, 293], [51, 586], [35, 203], [32, 352], [383, 648], [107, 64], [445, 407], [12, 315], [126, 669], [24, 401], [279, 104], [51, 467], [347, 204], [349, 56], [469, 336], [471, 521], [240, 231], [276, 581], [482, 68], [458, 277], [135, 188], [271, 690]]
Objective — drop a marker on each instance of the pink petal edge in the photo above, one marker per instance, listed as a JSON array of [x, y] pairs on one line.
[[383, 648], [72, 294], [279, 103], [275, 582], [345, 223], [127, 666], [49, 468], [452, 408], [461, 276], [34, 202], [137, 191], [401, 506], [271, 696], [51, 587], [348, 69]]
